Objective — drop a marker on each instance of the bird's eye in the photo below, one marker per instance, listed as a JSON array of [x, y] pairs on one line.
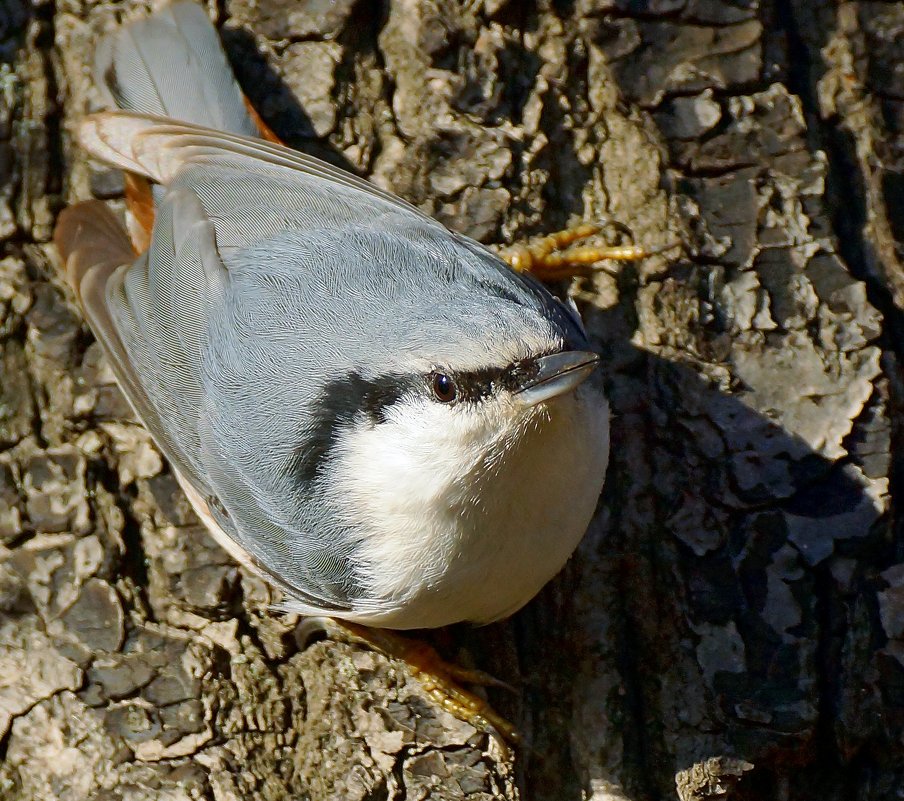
[[444, 389]]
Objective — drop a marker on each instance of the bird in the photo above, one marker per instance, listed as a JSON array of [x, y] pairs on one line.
[[376, 414]]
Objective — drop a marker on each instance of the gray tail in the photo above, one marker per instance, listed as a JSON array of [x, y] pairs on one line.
[[172, 64]]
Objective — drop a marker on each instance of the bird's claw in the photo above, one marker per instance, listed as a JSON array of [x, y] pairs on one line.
[[555, 257], [439, 678]]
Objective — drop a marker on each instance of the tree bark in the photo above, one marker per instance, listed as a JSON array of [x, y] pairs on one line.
[[733, 623]]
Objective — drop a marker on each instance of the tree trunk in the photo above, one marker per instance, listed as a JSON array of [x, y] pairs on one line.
[[733, 623]]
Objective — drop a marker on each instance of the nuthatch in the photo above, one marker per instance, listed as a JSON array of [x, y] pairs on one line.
[[373, 412]]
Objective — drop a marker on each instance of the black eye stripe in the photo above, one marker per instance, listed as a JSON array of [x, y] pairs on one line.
[[344, 399], [473, 385], [340, 402]]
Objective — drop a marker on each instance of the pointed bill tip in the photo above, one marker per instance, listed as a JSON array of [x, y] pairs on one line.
[[556, 375]]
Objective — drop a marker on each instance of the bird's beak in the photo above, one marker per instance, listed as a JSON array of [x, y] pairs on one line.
[[555, 375]]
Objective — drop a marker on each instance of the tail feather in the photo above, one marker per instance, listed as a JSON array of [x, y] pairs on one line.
[[171, 64]]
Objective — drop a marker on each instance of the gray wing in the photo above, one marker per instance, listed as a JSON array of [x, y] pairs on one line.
[[160, 149], [165, 309], [102, 269]]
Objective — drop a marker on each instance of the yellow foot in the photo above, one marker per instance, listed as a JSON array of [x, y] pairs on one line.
[[552, 257], [439, 678]]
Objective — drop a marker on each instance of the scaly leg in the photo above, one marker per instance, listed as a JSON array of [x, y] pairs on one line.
[[439, 678], [553, 257]]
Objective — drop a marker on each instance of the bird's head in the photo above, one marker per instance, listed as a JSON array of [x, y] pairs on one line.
[[451, 374]]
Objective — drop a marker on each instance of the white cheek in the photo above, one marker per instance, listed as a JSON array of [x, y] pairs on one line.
[[409, 483], [417, 452]]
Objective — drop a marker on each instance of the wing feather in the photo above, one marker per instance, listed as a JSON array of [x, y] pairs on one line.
[[151, 315], [110, 282], [159, 149]]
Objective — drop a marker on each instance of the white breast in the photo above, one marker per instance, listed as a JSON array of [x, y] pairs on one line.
[[466, 512]]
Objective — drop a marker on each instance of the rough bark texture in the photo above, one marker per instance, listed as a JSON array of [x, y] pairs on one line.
[[733, 624]]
